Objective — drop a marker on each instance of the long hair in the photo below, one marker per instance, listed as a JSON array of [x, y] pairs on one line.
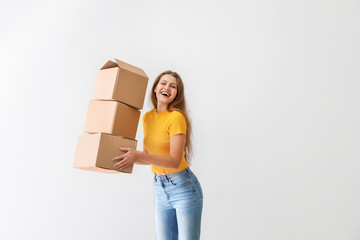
[[178, 104]]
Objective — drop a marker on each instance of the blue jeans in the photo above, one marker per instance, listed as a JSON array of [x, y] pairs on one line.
[[178, 206]]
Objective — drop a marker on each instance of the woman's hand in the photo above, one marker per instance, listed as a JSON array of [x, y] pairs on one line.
[[130, 157]]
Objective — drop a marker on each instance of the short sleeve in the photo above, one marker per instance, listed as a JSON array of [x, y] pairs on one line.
[[177, 124]]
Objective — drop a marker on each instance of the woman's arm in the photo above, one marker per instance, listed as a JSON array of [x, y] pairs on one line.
[[177, 146], [140, 162]]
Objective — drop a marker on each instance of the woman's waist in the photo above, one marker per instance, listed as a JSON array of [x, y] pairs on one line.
[[165, 171], [169, 176]]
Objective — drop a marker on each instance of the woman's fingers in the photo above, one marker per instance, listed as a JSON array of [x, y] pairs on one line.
[[124, 149], [121, 156], [119, 165], [118, 158], [123, 162]]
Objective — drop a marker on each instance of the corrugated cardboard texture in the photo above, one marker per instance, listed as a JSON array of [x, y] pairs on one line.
[[112, 117], [122, 82], [95, 151]]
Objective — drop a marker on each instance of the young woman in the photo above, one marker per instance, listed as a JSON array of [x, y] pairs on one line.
[[167, 146]]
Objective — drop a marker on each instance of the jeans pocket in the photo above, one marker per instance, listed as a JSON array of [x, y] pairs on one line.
[[180, 181]]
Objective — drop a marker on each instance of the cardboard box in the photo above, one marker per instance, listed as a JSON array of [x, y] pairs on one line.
[[95, 151], [122, 82], [112, 117]]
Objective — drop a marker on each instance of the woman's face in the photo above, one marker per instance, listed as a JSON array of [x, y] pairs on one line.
[[166, 89]]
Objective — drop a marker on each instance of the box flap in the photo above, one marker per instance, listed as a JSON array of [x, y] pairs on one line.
[[130, 68], [109, 64]]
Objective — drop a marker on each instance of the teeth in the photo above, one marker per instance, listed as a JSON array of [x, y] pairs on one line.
[[165, 93]]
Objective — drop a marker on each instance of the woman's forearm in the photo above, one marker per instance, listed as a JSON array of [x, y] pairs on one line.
[[140, 162], [177, 144]]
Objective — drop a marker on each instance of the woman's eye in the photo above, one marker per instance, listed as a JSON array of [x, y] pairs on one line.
[[172, 86], [162, 83]]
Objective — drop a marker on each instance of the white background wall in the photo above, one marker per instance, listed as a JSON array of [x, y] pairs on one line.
[[273, 91]]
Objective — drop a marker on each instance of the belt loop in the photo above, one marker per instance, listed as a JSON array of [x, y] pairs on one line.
[[155, 177], [166, 177]]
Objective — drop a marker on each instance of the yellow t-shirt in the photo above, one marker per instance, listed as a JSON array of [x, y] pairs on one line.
[[157, 129]]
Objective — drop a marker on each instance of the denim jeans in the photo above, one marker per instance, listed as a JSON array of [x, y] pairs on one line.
[[178, 206]]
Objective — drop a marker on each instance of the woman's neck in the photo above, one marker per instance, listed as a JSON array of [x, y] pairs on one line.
[[161, 107]]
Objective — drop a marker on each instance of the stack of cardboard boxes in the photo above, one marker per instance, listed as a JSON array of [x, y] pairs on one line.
[[112, 117]]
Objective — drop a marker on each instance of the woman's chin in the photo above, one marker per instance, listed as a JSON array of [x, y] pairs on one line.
[[164, 101]]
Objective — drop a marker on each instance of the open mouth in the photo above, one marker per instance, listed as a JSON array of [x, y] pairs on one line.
[[165, 94]]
